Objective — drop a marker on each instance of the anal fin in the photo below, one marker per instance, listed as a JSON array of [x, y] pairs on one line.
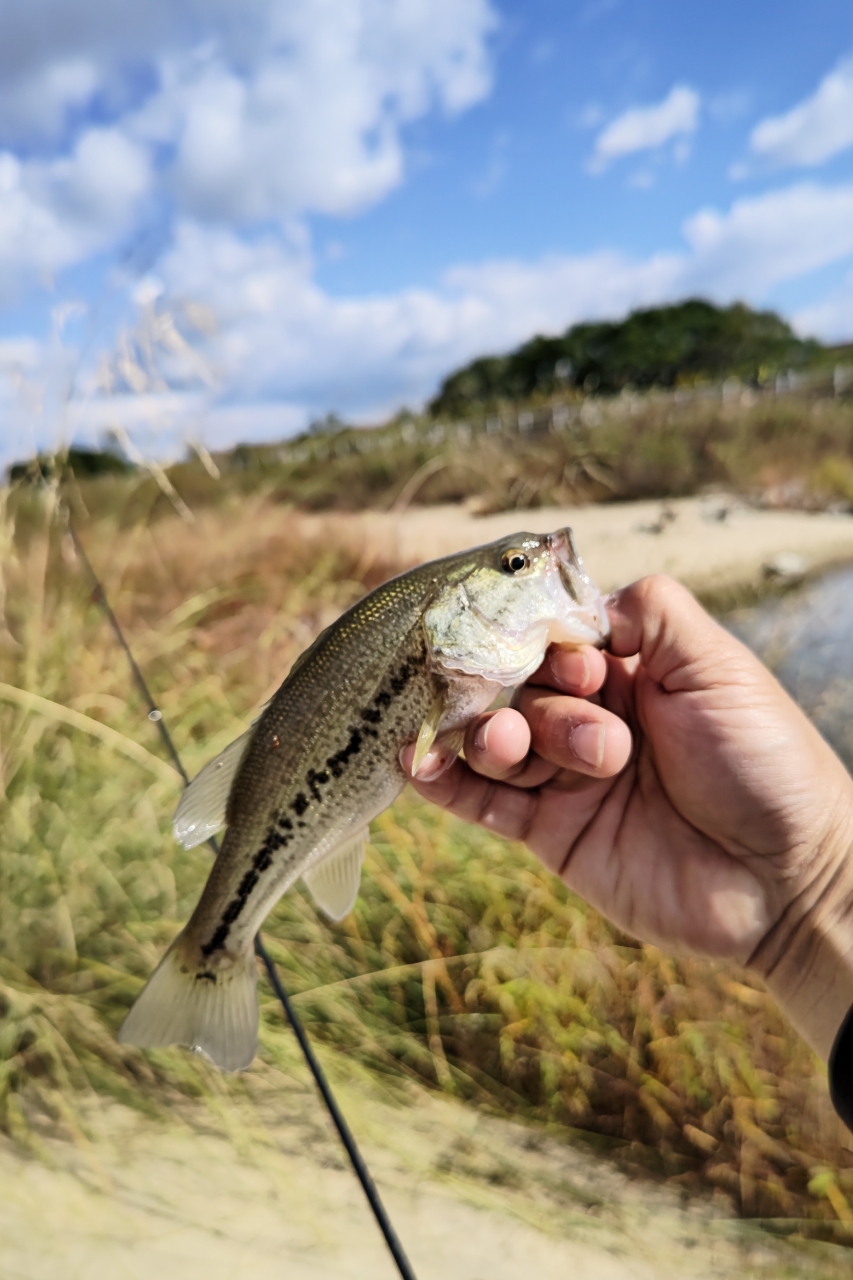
[[334, 882]]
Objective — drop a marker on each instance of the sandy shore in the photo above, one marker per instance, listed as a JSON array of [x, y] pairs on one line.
[[472, 1198], [709, 543]]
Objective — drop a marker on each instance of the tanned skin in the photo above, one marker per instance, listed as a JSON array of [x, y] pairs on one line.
[[674, 785]]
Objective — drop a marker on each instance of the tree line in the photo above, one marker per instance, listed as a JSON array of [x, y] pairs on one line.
[[684, 344]]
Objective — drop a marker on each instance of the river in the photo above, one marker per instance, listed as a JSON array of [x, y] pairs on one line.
[[806, 638]]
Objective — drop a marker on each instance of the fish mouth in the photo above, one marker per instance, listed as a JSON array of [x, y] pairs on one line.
[[587, 622]]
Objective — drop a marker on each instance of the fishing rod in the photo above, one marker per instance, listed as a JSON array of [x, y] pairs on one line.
[[357, 1161]]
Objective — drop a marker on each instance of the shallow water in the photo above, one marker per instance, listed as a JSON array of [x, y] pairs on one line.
[[806, 638]]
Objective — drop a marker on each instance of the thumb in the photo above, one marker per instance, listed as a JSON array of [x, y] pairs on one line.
[[680, 646]]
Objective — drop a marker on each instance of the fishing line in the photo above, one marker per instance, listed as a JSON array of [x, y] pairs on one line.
[[360, 1168]]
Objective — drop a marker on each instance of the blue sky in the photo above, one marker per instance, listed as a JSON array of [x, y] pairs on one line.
[[220, 218]]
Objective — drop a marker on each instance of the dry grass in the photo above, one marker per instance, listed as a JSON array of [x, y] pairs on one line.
[[791, 450], [464, 963]]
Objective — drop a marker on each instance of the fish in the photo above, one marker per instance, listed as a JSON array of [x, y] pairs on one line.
[[414, 660]]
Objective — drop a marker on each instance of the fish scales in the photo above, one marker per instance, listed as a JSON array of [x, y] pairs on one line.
[[298, 792], [416, 658]]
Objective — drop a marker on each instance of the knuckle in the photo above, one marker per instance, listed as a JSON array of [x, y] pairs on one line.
[[659, 589]]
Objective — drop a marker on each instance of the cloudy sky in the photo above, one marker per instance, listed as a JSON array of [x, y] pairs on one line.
[[303, 206]]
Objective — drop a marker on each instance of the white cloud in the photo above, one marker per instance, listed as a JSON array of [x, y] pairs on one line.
[[815, 129], [315, 124], [102, 181], [18, 355], [264, 108], [513, 300], [285, 108], [766, 240], [277, 147], [282, 336], [646, 128], [37, 105], [56, 213], [831, 317]]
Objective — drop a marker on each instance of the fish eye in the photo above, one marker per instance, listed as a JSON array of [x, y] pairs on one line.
[[515, 561]]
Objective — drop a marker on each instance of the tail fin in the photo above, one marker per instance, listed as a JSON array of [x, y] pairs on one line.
[[191, 1003]]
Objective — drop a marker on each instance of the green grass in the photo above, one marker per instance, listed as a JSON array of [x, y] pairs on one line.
[[464, 965]]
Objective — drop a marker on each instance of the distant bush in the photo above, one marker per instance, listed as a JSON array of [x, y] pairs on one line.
[[662, 346], [85, 463]]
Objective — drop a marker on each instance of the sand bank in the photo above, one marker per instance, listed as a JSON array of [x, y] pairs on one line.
[[710, 544], [472, 1198]]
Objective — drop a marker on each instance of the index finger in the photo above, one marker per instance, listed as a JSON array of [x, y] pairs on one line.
[[506, 810], [580, 672]]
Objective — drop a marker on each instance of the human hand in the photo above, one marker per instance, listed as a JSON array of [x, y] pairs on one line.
[[675, 786]]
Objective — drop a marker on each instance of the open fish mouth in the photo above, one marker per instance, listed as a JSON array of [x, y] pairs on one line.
[[588, 622]]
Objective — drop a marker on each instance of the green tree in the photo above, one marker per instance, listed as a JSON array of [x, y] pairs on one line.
[[660, 346]]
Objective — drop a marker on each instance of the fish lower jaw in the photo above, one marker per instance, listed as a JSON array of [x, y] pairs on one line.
[[590, 627], [501, 678], [512, 659]]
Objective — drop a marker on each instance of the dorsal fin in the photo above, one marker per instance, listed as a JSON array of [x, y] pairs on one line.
[[203, 805], [334, 882]]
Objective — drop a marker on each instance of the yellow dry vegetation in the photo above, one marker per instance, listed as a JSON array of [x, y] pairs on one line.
[[464, 964]]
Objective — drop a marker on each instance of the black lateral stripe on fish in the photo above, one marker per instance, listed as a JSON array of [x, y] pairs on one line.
[[414, 660]]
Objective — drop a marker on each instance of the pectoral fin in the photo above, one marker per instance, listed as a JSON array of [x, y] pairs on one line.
[[204, 803], [334, 882], [429, 728]]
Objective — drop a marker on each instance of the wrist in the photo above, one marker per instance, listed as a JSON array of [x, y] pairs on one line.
[[806, 959], [817, 995]]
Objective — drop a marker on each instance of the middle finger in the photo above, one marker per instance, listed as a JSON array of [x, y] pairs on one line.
[[573, 733], [565, 734]]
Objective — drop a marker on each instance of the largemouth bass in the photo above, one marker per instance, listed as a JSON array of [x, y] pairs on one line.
[[417, 658]]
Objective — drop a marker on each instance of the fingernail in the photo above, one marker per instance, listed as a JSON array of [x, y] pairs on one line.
[[569, 668], [584, 679], [587, 743], [481, 737], [434, 764]]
